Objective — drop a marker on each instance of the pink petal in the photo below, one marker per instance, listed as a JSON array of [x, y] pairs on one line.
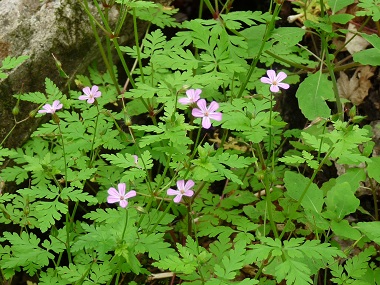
[[274, 88], [272, 75], [121, 188], [94, 89], [177, 198], [130, 194], [83, 97], [202, 105], [281, 76], [217, 116], [184, 101], [113, 192], [189, 184], [86, 91], [189, 193], [283, 85], [206, 123], [265, 80], [197, 113], [172, 192], [181, 184], [112, 199], [123, 203], [90, 100], [213, 107], [57, 105], [44, 110]]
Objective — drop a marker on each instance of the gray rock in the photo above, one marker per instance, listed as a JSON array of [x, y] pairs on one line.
[[40, 29]]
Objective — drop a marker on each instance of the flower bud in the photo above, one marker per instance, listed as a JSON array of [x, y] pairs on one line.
[[15, 110], [32, 113], [127, 120]]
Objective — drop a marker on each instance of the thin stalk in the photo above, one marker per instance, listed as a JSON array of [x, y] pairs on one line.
[[266, 37], [92, 156], [68, 223], [137, 45], [268, 200], [100, 46], [305, 191]]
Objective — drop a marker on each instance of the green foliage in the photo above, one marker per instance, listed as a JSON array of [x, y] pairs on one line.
[[369, 56], [356, 270], [371, 8], [311, 95], [11, 63], [293, 253], [25, 252], [263, 198]]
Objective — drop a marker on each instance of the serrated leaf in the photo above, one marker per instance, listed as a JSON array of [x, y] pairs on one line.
[[26, 253], [341, 200], [12, 62], [371, 229], [296, 183], [373, 168], [311, 95]]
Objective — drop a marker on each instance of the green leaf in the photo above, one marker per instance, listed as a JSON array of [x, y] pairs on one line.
[[312, 93], [344, 230], [337, 5], [231, 262], [341, 18], [12, 62], [296, 183], [373, 168], [294, 272], [341, 200], [155, 245], [25, 253], [371, 8], [288, 36], [370, 229], [369, 56]]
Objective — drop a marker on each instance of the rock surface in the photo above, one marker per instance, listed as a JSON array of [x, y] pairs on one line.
[[40, 29]]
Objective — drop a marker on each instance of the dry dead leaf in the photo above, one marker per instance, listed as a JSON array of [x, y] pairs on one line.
[[356, 88], [357, 43]]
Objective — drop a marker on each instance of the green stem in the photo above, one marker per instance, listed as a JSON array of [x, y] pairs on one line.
[[162, 216], [266, 37], [137, 45], [305, 191], [100, 46], [68, 222], [126, 224], [92, 156]]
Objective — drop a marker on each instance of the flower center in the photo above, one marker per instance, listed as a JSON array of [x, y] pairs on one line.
[[274, 83], [206, 114], [122, 198], [182, 191]]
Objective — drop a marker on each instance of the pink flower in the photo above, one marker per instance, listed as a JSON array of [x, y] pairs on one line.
[[275, 80], [90, 94], [207, 113], [192, 97], [50, 109], [183, 190], [119, 195]]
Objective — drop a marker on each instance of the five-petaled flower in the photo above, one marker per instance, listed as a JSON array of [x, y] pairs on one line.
[[90, 94], [275, 80], [50, 109], [119, 195], [207, 114], [192, 97], [184, 189]]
